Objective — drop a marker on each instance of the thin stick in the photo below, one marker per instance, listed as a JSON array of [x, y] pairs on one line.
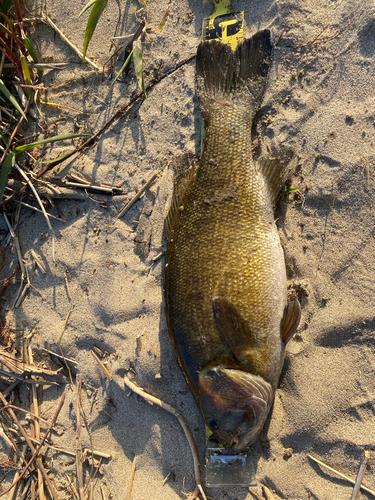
[[255, 494], [91, 479], [18, 249], [137, 196], [17, 474], [61, 65], [91, 494], [131, 480], [72, 453], [267, 493], [102, 366], [59, 356], [33, 450], [360, 475], [101, 189], [28, 412], [49, 21], [37, 210], [26, 489], [102, 492], [28, 381], [65, 323], [36, 424], [41, 206], [78, 441], [71, 487], [9, 389], [184, 426], [364, 488]]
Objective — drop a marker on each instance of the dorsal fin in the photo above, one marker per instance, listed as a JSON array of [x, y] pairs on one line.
[[183, 180], [274, 171]]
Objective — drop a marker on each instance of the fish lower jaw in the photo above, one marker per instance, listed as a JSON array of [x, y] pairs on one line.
[[244, 443], [237, 444]]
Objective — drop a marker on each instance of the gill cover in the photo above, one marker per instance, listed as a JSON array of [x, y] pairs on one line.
[[235, 403]]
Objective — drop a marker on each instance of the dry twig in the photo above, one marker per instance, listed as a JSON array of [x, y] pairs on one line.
[[65, 324], [137, 196], [36, 425], [49, 21], [35, 451], [21, 459], [102, 366], [78, 442], [364, 488], [255, 494], [177, 414], [131, 480], [13, 367], [267, 493], [360, 475]]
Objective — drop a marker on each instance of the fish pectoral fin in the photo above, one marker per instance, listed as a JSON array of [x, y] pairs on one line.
[[233, 327], [185, 174], [274, 171], [290, 321]]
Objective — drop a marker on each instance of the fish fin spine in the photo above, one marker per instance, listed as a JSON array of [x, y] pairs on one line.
[[182, 182], [274, 171]]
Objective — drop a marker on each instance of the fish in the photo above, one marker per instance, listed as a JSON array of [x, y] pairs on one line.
[[225, 280]]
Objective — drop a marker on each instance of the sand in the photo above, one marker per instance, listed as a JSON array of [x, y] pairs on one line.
[[320, 102]]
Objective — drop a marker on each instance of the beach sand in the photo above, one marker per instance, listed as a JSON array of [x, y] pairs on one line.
[[320, 102]]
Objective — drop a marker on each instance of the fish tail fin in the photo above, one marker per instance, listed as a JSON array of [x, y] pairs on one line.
[[238, 78]]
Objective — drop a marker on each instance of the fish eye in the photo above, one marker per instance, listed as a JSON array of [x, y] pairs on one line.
[[213, 424]]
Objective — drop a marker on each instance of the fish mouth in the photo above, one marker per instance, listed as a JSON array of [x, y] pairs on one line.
[[235, 403]]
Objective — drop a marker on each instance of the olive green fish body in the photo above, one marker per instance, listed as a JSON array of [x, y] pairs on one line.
[[225, 277]]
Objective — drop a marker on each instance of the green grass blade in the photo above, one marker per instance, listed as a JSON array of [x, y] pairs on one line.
[[138, 65], [5, 169], [122, 68], [26, 73], [55, 138], [86, 7], [294, 190], [94, 17], [4, 138], [11, 98], [32, 53], [144, 3], [60, 158], [162, 22], [30, 49], [6, 6]]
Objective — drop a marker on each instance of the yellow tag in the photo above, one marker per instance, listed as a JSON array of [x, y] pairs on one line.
[[224, 25]]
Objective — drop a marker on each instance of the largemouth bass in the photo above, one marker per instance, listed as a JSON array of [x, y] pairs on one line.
[[225, 280]]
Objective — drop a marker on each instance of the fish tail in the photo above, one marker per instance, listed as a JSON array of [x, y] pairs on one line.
[[239, 78]]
